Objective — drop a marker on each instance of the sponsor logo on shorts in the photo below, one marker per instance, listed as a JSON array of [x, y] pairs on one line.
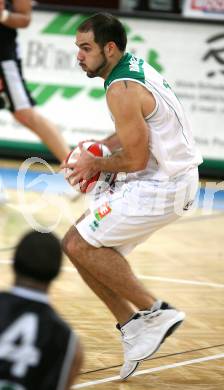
[[94, 225], [99, 213], [102, 211]]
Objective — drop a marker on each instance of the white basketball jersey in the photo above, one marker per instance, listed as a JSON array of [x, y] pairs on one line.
[[172, 148]]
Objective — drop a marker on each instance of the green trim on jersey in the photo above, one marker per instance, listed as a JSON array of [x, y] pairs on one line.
[[129, 67]]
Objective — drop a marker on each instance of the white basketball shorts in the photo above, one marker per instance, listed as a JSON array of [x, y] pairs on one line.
[[129, 215]]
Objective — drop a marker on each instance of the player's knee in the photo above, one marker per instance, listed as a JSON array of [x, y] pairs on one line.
[[73, 244], [26, 117], [68, 244]]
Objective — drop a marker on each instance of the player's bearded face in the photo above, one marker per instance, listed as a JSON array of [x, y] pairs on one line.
[[94, 70], [91, 57]]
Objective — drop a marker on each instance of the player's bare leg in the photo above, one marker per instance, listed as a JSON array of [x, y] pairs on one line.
[[109, 275], [45, 130], [108, 267], [120, 307]]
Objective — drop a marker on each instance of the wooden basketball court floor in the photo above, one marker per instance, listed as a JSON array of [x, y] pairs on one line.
[[182, 263]]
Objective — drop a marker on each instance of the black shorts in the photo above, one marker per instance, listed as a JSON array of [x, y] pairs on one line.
[[14, 94]]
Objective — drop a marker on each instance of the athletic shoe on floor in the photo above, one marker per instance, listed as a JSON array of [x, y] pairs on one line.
[[128, 367], [159, 323], [145, 332]]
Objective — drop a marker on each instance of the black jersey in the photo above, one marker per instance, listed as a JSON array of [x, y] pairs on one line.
[[37, 347], [8, 39]]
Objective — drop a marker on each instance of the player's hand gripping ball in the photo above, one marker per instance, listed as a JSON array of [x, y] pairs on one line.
[[102, 180]]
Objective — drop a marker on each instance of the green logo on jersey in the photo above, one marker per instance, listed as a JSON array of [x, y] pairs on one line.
[[166, 85]]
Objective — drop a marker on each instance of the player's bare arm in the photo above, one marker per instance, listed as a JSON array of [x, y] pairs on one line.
[[125, 101], [2, 5], [19, 17], [127, 105], [147, 106], [112, 142]]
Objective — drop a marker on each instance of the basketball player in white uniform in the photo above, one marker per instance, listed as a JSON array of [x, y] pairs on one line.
[[153, 145]]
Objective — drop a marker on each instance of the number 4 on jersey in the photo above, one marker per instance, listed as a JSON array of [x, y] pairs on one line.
[[22, 354]]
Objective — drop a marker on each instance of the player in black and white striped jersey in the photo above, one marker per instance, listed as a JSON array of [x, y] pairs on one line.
[[14, 95], [38, 350]]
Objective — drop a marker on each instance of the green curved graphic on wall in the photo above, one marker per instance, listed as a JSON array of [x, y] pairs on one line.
[[67, 24], [43, 92], [64, 24], [153, 60]]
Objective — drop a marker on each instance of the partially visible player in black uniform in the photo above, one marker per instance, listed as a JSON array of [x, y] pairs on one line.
[[38, 350], [15, 14]]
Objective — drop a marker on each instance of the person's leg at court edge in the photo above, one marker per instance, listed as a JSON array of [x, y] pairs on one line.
[[137, 311]]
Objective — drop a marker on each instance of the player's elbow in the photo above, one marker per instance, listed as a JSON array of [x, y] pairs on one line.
[[26, 21], [142, 161], [140, 164]]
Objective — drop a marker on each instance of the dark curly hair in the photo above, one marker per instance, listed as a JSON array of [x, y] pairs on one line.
[[38, 256], [105, 28]]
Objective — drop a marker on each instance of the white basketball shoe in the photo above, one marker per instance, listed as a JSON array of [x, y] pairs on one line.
[[145, 332]]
